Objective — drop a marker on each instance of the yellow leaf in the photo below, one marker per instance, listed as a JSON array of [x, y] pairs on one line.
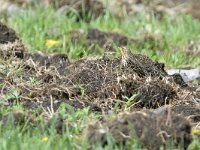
[[51, 43]]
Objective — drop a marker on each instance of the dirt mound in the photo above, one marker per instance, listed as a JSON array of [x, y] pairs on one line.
[[100, 37], [103, 39], [189, 110], [47, 80], [10, 44], [15, 49], [58, 61], [112, 40], [7, 34], [107, 80], [152, 131], [100, 83]]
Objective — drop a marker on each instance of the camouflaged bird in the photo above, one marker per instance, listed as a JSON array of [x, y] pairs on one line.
[[140, 64], [130, 61]]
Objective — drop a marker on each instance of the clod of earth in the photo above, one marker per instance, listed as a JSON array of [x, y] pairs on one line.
[[100, 37], [152, 131], [10, 44], [58, 61], [189, 110], [14, 49], [7, 34]]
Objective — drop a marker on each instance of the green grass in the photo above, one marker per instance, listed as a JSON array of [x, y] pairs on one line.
[[30, 137], [27, 136], [33, 27]]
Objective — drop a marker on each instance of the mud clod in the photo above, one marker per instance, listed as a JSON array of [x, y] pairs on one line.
[[10, 44], [47, 60], [56, 62], [189, 111], [7, 34], [100, 37], [151, 131], [15, 49], [177, 78]]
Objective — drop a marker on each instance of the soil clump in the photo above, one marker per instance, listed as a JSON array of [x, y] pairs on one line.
[[152, 131]]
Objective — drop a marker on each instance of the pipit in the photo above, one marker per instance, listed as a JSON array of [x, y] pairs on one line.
[[141, 64], [129, 60], [126, 55]]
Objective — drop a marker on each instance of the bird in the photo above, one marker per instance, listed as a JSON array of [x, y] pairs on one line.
[[141, 64], [132, 61], [125, 54]]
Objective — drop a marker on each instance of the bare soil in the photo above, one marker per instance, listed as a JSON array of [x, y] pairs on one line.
[[7, 34], [100, 37]]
